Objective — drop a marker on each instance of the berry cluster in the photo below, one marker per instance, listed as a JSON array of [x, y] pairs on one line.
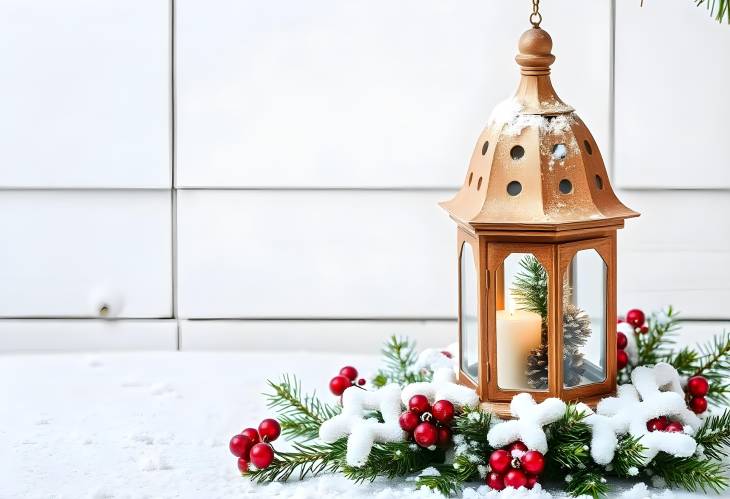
[[428, 424], [663, 423], [636, 319], [515, 466], [253, 446], [697, 388], [344, 380]]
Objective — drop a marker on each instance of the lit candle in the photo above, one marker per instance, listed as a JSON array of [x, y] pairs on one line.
[[518, 332]]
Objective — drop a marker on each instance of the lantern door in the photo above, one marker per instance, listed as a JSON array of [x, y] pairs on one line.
[[587, 307], [519, 325], [471, 353]]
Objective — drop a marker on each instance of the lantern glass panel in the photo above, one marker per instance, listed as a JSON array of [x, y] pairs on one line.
[[521, 323], [584, 319], [469, 314]]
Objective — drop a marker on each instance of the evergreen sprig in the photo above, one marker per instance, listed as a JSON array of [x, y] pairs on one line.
[[568, 442], [530, 287], [451, 477], [723, 8], [714, 435], [393, 460], [691, 473], [300, 414], [400, 356], [589, 481], [305, 460], [473, 424], [629, 456], [657, 344]]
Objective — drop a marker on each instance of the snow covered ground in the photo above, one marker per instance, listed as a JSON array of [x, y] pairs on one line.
[[156, 425]]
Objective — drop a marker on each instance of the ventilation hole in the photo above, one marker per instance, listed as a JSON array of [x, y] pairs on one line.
[[517, 152], [471, 176], [550, 118], [479, 183], [599, 182], [560, 151], [485, 148], [514, 188], [566, 187], [588, 147]]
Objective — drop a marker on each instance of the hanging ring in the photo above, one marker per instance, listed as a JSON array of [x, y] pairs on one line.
[[535, 17]]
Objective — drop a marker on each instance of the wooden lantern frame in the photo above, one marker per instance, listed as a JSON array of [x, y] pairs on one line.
[[541, 218]]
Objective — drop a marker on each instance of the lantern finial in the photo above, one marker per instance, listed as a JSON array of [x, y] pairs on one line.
[[535, 56]]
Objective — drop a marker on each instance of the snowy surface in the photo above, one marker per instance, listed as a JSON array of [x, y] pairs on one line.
[[157, 425]]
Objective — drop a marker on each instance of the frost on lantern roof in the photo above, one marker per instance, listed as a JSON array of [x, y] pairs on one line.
[[536, 164]]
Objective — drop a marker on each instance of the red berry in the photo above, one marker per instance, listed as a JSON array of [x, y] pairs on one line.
[[446, 354], [408, 421], [622, 359], [515, 478], [698, 404], [252, 435], [635, 317], [361, 381], [495, 481], [339, 384], [443, 437], [644, 329], [349, 372], [621, 340], [419, 404], [619, 320], [443, 411], [698, 386], [269, 429], [674, 427], [531, 481], [533, 462], [518, 446], [242, 465], [425, 434], [240, 445], [262, 455], [657, 424], [500, 461]]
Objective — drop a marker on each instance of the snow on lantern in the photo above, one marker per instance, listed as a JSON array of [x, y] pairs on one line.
[[537, 221]]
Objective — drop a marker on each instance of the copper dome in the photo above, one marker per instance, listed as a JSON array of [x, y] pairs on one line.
[[536, 165]]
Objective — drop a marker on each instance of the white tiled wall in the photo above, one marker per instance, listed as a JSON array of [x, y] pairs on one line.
[[296, 205]]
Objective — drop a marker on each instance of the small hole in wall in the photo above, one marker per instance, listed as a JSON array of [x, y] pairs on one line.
[[485, 148], [479, 183], [471, 176], [566, 187], [559, 151], [599, 182], [588, 147], [514, 188], [517, 152]]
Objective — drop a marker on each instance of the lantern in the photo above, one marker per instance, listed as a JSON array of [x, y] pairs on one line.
[[536, 238]]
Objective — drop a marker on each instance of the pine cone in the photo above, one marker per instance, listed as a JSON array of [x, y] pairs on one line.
[[537, 368], [572, 367], [576, 327]]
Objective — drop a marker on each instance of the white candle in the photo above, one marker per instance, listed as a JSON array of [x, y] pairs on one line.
[[518, 332]]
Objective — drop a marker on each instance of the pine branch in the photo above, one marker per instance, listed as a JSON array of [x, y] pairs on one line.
[[723, 8], [473, 425], [656, 345], [392, 460], [714, 435], [530, 286], [300, 415], [629, 456], [568, 442], [711, 360], [451, 477], [400, 355], [306, 460], [691, 473], [587, 482]]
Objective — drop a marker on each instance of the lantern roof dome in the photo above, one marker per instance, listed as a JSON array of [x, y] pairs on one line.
[[536, 165]]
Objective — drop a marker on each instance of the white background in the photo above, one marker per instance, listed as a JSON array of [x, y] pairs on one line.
[[255, 174]]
